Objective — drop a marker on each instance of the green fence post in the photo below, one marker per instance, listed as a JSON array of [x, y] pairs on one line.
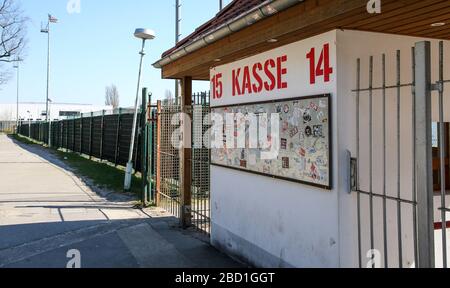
[[90, 134], [73, 135], [102, 135], [150, 150], [116, 156], [81, 134], [144, 148], [66, 127]]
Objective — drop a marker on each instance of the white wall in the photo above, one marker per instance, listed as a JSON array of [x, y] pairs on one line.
[[353, 45], [274, 223]]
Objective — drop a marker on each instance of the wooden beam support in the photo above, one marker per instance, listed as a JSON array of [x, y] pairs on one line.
[[186, 153]]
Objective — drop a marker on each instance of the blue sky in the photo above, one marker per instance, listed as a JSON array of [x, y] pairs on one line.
[[96, 47]]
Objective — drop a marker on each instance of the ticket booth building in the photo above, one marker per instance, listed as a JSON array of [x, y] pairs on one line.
[[344, 189]]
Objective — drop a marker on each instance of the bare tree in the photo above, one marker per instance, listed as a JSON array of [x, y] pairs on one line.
[[112, 97], [12, 35]]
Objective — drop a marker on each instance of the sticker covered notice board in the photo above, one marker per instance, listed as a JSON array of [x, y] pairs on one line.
[[303, 151]]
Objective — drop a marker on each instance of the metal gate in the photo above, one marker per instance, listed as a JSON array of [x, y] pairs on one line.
[[168, 162], [167, 159], [392, 174]]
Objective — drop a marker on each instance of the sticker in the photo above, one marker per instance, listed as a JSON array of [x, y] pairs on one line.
[[320, 115], [279, 109], [314, 172], [307, 116], [318, 131], [302, 152], [285, 161], [314, 106], [286, 109], [312, 150], [283, 143], [285, 126], [308, 131], [293, 132], [320, 161]]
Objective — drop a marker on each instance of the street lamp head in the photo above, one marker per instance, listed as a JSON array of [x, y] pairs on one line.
[[144, 34]]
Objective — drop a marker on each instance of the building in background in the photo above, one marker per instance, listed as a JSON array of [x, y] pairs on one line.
[[36, 111]]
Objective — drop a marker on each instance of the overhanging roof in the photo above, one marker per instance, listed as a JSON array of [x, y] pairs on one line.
[[302, 20]]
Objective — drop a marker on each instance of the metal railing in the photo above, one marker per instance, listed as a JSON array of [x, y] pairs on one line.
[[393, 165]]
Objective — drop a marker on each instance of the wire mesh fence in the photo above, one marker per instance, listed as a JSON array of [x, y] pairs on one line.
[[201, 156], [168, 161], [168, 187]]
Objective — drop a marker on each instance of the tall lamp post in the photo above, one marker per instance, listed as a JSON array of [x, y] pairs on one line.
[[143, 34], [46, 30], [17, 66]]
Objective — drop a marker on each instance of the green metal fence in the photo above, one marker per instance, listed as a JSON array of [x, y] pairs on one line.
[[103, 135]]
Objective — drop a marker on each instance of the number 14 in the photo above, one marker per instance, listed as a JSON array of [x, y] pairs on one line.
[[323, 66]]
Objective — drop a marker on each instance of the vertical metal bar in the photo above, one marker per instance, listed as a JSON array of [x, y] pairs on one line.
[[61, 144], [66, 127], [358, 87], [91, 130], [399, 192], [423, 165], [81, 134], [158, 153], [413, 157], [372, 238], [102, 134], [117, 148], [144, 167], [73, 135], [386, 253], [442, 148], [150, 149]]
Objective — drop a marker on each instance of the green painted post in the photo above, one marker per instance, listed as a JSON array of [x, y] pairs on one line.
[[66, 127], [144, 148], [90, 135], [150, 150], [81, 134], [102, 135], [119, 121], [73, 135]]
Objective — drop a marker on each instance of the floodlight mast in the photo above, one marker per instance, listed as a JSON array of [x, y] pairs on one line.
[[46, 30]]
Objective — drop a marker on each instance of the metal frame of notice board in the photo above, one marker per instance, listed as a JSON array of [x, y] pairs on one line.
[[330, 144]]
